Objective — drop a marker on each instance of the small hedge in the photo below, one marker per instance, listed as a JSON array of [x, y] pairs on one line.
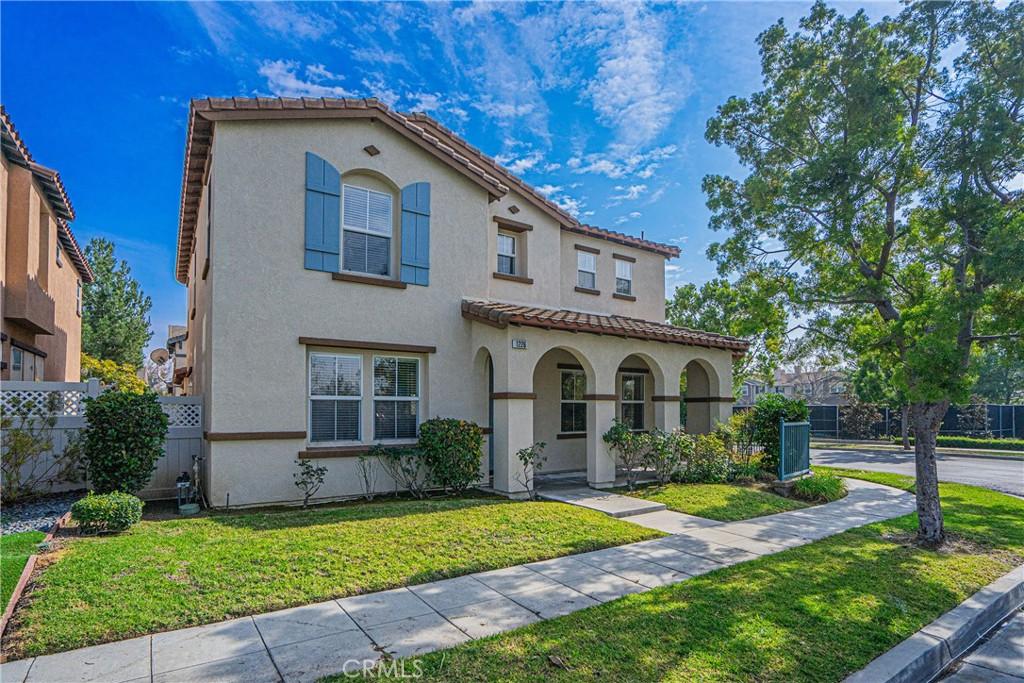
[[106, 512], [976, 442], [452, 451], [819, 488]]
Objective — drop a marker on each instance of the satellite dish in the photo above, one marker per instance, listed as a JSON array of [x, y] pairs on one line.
[[159, 356]]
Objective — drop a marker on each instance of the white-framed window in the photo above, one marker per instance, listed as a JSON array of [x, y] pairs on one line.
[[573, 405], [632, 400], [396, 397], [335, 397], [26, 366], [366, 219], [17, 361], [506, 254], [623, 277], [60, 257], [78, 297], [586, 270]]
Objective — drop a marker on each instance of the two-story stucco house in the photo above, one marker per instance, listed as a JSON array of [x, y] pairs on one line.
[[42, 269], [353, 271]]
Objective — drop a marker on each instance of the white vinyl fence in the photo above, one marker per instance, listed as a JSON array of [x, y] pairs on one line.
[[184, 433]]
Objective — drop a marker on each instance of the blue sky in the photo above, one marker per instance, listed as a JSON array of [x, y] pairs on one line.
[[601, 106]]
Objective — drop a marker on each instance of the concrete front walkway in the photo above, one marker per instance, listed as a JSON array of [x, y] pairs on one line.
[[305, 643]]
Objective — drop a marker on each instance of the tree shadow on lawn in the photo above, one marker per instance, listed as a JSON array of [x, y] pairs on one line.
[[812, 613]]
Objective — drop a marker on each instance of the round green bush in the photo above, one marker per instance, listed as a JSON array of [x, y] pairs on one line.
[[123, 439], [708, 462], [106, 512], [819, 488], [452, 450]]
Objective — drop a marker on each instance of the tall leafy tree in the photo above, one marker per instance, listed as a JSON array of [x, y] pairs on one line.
[[752, 308], [880, 186], [115, 311], [1000, 373]]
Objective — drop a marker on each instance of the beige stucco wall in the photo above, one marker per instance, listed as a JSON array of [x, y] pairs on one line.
[[30, 245], [258, 300], [648, 280]]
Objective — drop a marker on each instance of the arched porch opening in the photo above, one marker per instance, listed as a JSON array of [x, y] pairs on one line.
[[562, 380], [636, 383], [699, 385]]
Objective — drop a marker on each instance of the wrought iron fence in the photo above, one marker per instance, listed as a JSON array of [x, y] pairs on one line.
[[794, 449]]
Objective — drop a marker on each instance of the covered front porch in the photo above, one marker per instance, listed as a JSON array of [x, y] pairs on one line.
[[562, 378]]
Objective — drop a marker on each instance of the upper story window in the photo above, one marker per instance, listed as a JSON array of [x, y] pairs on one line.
[[335, 397], [60, 257], [623, 277], [506, 254], [586, 270], [366, 228], [633, 400], [78, 297], [396, 397]]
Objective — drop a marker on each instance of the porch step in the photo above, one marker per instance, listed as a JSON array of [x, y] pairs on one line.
[[611, 504]]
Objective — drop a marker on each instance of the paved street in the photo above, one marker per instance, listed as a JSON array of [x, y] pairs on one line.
[[999, 659], [1000, 475]]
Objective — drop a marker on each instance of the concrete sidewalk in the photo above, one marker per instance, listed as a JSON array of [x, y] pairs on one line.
[[305, 643]]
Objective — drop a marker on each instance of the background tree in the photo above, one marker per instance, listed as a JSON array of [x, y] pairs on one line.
[[752, 308], [1000, 369], [871, 382], [879, 186], [115, 311]]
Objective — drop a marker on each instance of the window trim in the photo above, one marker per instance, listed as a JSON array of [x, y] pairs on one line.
[[310, 398], [580, 257], [390, 236], [418, 398], [628, 280], [623, 401], [562, 401]]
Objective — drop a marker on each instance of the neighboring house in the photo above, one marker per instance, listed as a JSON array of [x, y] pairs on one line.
[[821, 386], [42, 268], [178, 357], [353, 271]]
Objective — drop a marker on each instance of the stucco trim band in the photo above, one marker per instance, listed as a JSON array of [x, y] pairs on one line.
[[253, 436], [506, 395], [709, 399]]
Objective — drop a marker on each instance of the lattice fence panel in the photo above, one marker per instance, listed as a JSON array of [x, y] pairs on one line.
[[183, 414], [61, 402]]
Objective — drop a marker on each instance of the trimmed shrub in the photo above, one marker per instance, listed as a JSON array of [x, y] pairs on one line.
[[767, 412], [745, 472], [405, 466], [452, 450], [123, 439], [106, 512], [666, 452], [631, 448], [709, 462], [819, 488]]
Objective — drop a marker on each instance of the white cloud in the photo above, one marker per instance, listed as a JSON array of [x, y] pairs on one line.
[[283, 80], [617, 166], [290, 21], [629, 193], [635, 214], [319, 72], [548, 189], [568, 204]]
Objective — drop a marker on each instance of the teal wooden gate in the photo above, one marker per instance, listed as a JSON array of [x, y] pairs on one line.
[[794, 449]]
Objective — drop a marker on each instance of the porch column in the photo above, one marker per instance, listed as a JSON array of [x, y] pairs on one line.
[[666, 412], [512, 430], [721, 410], [600, 459]]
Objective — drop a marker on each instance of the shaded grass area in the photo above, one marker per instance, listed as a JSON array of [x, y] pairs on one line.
[[724, 502], [813, 613], [175, 573], [14, 552]]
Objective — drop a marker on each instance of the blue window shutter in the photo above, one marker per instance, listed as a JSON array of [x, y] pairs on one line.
[[416, 234], [323, 214]]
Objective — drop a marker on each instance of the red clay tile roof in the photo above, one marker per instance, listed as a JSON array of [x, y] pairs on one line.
[[15, 150], [503, 314], [420, 128]]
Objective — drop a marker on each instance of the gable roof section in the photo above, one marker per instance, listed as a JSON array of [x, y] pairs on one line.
[[501, 314], [420, 129], [16, 152]]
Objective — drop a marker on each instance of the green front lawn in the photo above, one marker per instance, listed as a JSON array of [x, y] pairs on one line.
[[724, 502], [14, 552], [813, 613], [170, 574]]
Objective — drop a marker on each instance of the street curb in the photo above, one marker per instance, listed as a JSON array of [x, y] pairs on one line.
[[927, 653], [938, 454]]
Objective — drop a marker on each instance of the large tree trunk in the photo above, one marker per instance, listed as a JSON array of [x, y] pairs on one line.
[[905, 426], [927, 417]]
